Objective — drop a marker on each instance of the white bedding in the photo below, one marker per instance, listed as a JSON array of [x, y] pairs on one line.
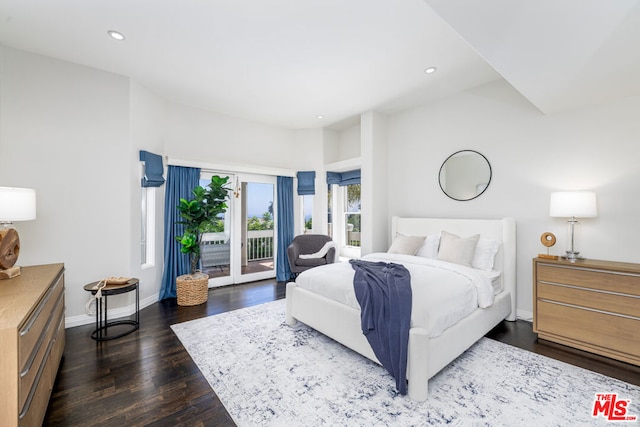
[[443, 292]]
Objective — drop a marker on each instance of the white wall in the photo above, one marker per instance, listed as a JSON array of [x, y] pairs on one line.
[[374, 171], [199, 135], [216, 139], [310, 154], [349, 143], [64, 130], [147, 119], [594, 148]]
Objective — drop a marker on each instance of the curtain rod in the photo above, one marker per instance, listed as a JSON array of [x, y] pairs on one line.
[[229, 168]]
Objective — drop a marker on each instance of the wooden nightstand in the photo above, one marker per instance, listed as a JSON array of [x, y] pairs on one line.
[[589, 304]]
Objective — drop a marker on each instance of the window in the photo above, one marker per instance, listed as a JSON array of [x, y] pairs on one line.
[[147, 226], [352, 215], [307, 213], [344, 218], [344, 211]]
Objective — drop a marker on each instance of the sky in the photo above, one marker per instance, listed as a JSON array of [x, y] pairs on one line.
[[259, 197]]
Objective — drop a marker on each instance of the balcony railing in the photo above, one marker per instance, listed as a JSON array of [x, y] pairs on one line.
[[353, 238], [259, 244], [215, 249], [352, 224]]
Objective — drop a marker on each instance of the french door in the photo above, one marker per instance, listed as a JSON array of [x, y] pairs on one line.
[[242, 246]]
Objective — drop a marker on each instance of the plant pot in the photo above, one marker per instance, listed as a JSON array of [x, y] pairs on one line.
[[192, 289]]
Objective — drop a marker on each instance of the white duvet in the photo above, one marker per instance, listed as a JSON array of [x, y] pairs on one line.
[[443, 292]]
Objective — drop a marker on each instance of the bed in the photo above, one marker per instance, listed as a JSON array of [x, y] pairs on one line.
[[428, 351]]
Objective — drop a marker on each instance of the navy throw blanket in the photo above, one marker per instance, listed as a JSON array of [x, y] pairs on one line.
[[383, 291]]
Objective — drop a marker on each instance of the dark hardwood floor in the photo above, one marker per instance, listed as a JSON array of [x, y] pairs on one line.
[[147, 378]]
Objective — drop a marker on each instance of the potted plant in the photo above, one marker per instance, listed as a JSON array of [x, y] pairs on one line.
[[198, 215]]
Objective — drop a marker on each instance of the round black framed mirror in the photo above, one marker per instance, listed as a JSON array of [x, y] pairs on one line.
[[465, 175]]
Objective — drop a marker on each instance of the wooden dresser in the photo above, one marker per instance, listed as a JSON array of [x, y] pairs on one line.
[[31, 341], [589, 304]]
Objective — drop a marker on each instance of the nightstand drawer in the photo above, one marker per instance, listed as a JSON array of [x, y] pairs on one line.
[[590, 278], [595, 299], [591, 330]]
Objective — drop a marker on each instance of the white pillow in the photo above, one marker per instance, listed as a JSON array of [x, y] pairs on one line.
[[457, 250], [429, 248], [406, 245], [485, 254]]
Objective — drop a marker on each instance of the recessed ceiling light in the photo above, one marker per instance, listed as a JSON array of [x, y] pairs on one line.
[[430, 70], [116, 35], [320, 117]]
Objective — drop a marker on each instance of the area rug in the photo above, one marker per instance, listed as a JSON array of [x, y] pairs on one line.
[[267, 373]]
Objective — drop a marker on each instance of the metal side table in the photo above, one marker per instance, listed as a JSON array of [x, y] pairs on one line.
[[101, 332]]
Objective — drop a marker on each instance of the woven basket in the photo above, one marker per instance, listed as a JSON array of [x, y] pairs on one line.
[[192, 289]]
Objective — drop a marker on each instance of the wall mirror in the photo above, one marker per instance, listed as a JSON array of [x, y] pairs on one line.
[[465, 175]]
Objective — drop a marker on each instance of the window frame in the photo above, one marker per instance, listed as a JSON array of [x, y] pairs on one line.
[[147, 227], [339, 217]]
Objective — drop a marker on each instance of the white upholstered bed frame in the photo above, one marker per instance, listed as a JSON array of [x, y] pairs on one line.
[[426, 356]]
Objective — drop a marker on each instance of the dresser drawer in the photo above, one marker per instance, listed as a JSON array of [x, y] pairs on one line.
[[32, 329], [33, 369], [33, 413], [590, 330], [595, 299], [590, 278], [31, 342]]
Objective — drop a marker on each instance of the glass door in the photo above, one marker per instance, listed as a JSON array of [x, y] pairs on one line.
[[255, 218], [241, 245], [218, 243]]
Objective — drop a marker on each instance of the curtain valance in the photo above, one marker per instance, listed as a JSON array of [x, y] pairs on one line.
[[153, 169], [344, 178], [306, 183]]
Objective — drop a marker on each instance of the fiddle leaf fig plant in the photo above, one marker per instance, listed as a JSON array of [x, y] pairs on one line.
[[199, 215]]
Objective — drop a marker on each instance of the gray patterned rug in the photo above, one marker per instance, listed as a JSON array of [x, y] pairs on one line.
[[269, 374]]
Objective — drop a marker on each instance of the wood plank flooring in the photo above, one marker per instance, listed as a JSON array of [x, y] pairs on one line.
[[147, 378]]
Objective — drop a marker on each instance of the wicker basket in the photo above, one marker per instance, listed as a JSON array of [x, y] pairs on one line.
[[192, 289]]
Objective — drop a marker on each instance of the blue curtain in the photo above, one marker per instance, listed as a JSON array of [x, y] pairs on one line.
[[306, 183], [285, 226], [153, 169], [180, 182], [344, 178]]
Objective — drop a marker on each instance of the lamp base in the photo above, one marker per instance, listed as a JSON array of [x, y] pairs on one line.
[[10, 272], [572, 256]]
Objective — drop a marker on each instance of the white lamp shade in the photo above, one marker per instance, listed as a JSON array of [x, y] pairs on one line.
[[17, 204], [579, 204]]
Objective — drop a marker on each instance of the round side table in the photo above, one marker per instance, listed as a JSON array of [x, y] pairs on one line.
[[101, 332]]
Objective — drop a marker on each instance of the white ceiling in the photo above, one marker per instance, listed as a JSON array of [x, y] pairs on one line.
[[284, 62], [558, 54]]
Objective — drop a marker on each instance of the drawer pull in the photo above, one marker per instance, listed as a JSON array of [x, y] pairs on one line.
[[41, 306], [590, 309]]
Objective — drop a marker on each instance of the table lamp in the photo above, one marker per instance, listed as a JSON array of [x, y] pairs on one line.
[[573, 204], [16, 204]]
